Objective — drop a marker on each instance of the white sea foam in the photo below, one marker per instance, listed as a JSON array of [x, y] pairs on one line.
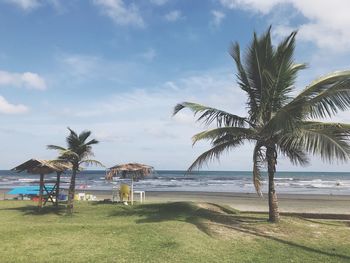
[[288, 182]]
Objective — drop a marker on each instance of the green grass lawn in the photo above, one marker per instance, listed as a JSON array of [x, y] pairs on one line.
[[167, 232]]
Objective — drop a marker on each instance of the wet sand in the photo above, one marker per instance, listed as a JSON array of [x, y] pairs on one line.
[[301, 203]]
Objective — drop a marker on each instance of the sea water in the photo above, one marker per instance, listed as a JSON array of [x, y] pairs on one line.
[[334, 183]]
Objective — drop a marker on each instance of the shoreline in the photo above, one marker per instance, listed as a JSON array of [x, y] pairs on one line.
[[294, 203]]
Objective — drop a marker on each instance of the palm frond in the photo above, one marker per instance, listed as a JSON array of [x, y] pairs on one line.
[[295, 153], [84, 135], [342, 127], [243, 80], [91, 142], [284, 72], [330, 101], [72, 139], [68, 155], [323, 98], [91, 162], [323, 83], [330, 142], [209, 115], [72, 133], [214, 153], [55, 147], [215, 134]]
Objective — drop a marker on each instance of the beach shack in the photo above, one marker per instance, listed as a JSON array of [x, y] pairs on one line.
[[48, 190], [133, 171]]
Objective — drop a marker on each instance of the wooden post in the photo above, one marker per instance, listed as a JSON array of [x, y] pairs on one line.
[[58, 187], [41, 186], [132, 191]]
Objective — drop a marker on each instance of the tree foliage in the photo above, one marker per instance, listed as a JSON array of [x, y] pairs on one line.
[[275, 118]]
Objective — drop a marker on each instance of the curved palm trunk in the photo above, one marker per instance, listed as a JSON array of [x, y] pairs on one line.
[[273, 203], [71, 192]]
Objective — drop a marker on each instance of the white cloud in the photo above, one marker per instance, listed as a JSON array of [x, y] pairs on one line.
[[327, 24], [25, 4], [264, 6], [159, 2], [29, 5], [132, 121], [217, 17], [57, 5], [27, 79], [80, 65], [173, 16], [149, 54], [75, 69], [120, 13], [202, 88], [8, 108]]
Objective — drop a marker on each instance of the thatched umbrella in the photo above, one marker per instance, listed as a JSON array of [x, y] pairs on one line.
[[42, 167], [134, 171]]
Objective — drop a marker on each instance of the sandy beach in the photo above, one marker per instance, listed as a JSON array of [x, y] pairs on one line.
[[300, 203]]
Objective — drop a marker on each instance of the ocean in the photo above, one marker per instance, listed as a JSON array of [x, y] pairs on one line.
[[330, 183]]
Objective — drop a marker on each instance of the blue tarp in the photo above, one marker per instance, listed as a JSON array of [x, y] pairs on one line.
[[28, 190]]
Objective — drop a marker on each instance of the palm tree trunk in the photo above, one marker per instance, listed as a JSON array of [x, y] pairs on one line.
[[273, 203], [71, 192]]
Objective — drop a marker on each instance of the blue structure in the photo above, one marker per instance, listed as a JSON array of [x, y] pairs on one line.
[[28, 190]]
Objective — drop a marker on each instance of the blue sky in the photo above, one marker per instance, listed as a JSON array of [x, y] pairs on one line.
[[118, 67]]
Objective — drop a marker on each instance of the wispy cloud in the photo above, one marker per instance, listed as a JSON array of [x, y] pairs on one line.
[[160, 100], [149, 54], [173, 16], [74, 69], [8, 108], [29, 5], [131, 121], [120, 13], [217, 18], [25, 4], [27, 79], [327, 23], [80, 65], [158, 2]]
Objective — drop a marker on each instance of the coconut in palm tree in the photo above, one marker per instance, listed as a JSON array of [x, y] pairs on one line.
[[276, 121], [77, 153]]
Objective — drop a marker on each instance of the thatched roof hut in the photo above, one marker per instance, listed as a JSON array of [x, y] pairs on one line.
[[134, 171], [34, 166], [42, 167]]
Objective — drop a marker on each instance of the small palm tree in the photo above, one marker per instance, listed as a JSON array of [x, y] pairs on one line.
[[78, 152], [277, 122]]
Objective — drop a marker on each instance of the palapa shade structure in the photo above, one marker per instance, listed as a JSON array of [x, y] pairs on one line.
[[134, 171], [42, 167]]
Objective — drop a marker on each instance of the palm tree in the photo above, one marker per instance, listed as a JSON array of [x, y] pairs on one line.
[[277, 122], [78, 152]]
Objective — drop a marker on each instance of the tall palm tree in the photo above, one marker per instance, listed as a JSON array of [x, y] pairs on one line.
[[78, 152], [277, 122]]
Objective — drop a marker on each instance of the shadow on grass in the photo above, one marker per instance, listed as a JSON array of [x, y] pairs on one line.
[[103, 202], [34, 210], [328, 222], [219, 216]]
